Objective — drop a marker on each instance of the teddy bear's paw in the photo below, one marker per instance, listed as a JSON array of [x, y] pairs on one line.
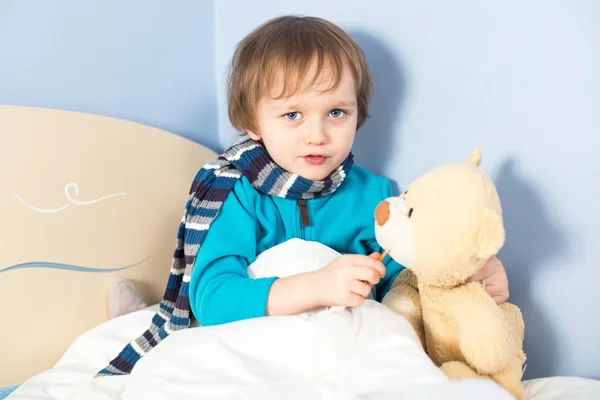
[[402, 305], [457, 370], [510, 377], [406, 307], [487, 345], [514, 318]]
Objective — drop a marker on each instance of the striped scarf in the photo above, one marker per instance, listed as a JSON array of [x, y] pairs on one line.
[[210, 187]]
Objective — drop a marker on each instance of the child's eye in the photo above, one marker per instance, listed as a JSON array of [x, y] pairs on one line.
[[292, 116], [336, 113]]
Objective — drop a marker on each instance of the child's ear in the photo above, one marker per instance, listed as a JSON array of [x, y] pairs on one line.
[[253, 135]]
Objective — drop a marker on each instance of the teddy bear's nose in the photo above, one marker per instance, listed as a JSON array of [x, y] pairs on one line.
[[382, 213]]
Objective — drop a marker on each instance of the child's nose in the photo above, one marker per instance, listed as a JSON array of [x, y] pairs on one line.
[[382, 213], [315, 134]]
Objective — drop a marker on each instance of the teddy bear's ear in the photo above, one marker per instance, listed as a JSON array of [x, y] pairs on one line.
[[475, 157], [491, 234]]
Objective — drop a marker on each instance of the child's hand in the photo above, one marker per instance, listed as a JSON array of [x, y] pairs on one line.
[[347, 281], [496, 281]]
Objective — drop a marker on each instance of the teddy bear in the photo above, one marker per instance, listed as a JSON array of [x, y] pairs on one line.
[[443, 229]]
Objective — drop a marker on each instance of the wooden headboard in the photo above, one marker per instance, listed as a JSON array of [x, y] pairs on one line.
[[83, 199]]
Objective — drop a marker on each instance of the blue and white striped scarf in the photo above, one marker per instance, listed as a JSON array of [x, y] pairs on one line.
[[211, 186]]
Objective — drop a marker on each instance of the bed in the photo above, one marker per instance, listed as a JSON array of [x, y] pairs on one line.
[[85, 198], [88, 198]]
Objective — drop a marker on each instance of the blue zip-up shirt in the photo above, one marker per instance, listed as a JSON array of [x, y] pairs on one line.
[[251, 222]]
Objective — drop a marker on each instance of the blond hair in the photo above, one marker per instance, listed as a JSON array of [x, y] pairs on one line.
[[289, 45]]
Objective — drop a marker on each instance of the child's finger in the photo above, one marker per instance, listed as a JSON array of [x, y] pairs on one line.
[[366, 261], [367, 274], [478, 276], [355, 300], [378, 265], [486, 271], [499, 299], [361, 288]]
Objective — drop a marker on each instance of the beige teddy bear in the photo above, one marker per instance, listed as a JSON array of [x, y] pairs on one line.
[[443, 228]]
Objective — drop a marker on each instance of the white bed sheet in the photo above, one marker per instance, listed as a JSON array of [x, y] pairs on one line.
[[72, 376]]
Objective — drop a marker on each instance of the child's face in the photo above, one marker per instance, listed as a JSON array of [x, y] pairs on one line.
[[310, 133]]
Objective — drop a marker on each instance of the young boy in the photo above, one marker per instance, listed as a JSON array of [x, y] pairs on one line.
[[299, 88]]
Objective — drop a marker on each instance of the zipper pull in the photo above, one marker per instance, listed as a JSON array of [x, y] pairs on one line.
[[303, 212]]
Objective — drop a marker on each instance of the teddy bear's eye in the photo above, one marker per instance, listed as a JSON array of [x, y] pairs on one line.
[[410, 213]]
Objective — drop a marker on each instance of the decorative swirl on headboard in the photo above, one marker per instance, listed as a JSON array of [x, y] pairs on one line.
[[71, 199], [69, 267]]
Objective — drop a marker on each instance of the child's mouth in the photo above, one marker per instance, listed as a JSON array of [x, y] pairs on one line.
[[315, 160]]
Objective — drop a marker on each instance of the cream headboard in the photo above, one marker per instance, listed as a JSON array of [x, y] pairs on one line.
[[83, 198]]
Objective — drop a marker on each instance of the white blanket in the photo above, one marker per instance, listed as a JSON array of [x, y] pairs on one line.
[[360, 353], [72, 377]]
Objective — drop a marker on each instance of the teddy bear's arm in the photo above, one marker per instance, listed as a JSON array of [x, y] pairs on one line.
[[403, 298], [482, 330]]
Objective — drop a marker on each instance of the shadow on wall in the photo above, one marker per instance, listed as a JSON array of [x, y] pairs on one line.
[[372, 145], [532, 239]]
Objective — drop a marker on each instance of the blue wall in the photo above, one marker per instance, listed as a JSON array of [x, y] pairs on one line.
[[519, 80], [148, 61]]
